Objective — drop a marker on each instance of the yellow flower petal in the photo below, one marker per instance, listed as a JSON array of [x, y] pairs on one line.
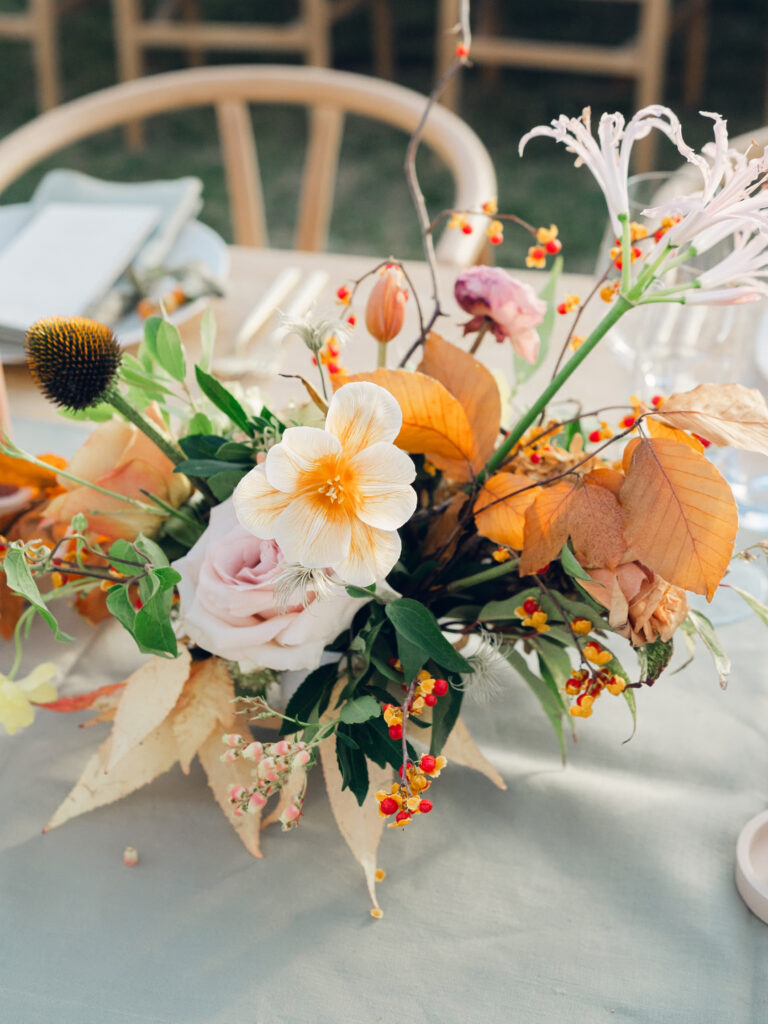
[[313, 532], [297, 455], [16, 712], [372, 554], [382, 474]]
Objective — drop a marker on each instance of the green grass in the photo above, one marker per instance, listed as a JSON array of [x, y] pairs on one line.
[[373, 212]]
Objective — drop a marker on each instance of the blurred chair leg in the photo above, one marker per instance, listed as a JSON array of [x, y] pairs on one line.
[[190, 12], [445, 49], [130, 57], [696, 29], [317, 16], [489, 24], [46, 51], [652, 43], [383, 38]]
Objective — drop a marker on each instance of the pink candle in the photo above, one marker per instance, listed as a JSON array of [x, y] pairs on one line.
[[5, 413]]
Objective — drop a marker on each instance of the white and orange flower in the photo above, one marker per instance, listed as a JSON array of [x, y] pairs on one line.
[[334, 498]]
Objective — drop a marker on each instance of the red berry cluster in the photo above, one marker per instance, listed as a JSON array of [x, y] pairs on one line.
[[425, 694], [406, 798]]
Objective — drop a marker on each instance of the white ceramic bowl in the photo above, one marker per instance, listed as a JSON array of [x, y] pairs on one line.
[[752, 865]]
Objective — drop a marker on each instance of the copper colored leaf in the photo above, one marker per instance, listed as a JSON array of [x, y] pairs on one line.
[[434, 422], [11, 607], [461, 749], [595, 524], [443, 533], [97, 786], [361, 827], [149, 697], [500, 510], [475, 387], [206, 703], [546, 526], [611, 479], [680, 516], [222, 775], [658, 429], [587, 513], [725, 414]]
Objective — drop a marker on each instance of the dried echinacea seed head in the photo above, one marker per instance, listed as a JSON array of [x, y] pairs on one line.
[[72, 360]]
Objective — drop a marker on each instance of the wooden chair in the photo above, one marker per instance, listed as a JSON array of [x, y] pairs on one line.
[[642, 59], [38, 26], [328, 94], [309, 34]]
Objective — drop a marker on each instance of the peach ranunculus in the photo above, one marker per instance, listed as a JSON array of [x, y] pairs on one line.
[[120, 458], [228, 603], [512, 307], [642, 606], [334, 498]]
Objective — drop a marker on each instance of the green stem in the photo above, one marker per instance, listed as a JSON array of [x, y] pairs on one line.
[[116, 400], [23, 618], [381, 361], [619, 308], [487, 574]]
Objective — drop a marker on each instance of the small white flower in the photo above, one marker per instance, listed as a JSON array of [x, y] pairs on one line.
[[315, 331], [296, 581], [491, 672]]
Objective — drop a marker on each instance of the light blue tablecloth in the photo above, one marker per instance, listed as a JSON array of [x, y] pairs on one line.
[[599, 892]]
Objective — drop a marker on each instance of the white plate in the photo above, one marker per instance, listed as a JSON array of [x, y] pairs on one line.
[[196, 242]]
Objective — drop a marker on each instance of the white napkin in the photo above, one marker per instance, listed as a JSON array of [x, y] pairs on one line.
[[178, 202]]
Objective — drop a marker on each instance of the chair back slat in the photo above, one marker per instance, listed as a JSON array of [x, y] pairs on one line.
[[319, 180], [229, 89], [241, 165]]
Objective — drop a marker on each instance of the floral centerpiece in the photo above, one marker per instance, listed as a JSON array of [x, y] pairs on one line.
[[391, 539]]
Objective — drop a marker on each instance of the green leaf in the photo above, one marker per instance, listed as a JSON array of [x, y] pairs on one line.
[[235, 451], [154, 635], [312, 695], [352, 765], [170, 351], [223, 400], [419, 627], [119, 605], [375, 742], [201, 446], [207, 338], [363, 592], [359, 710], [629, 697], [21, 581], [522, 368], [223, 484], [149, 344], [757, 606], [200, 424], [444, 715], [700, 624], [546, 692], [571, 566], [411, 657], [555, 659], [153, 551], [182, 530], [654, 658], [206, 468]]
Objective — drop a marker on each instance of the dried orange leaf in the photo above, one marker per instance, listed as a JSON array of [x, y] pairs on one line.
[[596, 526], [475, 387], [461, 749], [603, 476], [103, 697], [725, 414], [680, 518], [434, 422], [658, 429], [97, 786], [546, 526], [500, 510], [361, 827], [206, 704], [222, 775], [149, 697]]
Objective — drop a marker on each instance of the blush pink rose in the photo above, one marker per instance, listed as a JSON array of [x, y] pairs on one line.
[[489, 293], [228, 604]]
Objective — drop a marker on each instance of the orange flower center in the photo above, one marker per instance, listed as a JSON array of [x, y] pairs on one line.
[[332, 489]]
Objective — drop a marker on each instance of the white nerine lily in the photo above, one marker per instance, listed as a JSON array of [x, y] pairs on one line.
[[334, 498], [607, 157]]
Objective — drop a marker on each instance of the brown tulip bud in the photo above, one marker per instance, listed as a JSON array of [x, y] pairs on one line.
[[385, 311]]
